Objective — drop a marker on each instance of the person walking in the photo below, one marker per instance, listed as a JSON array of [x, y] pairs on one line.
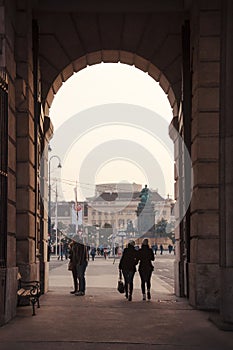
[[93, 253], [146, 256], [170, 248], [105, 253], [161, 249], [155, 248], [128, 264], [66, 249], [60, 253]]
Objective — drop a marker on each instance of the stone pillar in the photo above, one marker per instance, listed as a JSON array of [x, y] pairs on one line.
[[146, 219], [226, 165], [44, 264], [8, 269], [204, 231], [26, 189], [178, 209]]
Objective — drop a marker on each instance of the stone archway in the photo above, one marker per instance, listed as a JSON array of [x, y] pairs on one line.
[[112, 56], [158, 42], [102, 36], [157, 75], [191, 67]]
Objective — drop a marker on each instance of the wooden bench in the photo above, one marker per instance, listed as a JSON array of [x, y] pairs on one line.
[[28, 292]]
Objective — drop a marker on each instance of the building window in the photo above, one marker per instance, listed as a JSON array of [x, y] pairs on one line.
[[121, 222]]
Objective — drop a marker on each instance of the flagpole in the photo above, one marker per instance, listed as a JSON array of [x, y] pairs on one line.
[[56, 221], [76, 208]]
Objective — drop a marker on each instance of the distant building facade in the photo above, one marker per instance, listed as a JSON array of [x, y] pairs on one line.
[[113, 205], [116, 204], [164, 209]]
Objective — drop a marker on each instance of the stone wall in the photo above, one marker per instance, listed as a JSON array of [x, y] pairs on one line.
[[204, 232], [7, 64], [26, 227]]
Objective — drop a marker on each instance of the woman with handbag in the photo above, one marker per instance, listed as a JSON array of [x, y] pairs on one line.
[[128, 264], [145, 255]]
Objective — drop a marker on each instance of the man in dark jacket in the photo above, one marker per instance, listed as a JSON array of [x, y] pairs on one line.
[[80, 261], [73, 266], [128, 264]]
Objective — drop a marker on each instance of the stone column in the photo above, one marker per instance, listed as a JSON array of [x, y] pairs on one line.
[[8, 269], [204, 229], [178, 191], [226, 165], [26, 233], [44, 264]]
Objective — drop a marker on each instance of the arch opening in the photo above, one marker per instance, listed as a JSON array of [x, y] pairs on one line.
[[53, 88], [113, 56]]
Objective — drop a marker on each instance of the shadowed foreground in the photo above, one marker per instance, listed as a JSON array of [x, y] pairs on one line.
[[103, 318]]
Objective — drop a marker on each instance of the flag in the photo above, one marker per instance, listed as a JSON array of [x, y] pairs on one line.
[[74, 215], [78, 208]]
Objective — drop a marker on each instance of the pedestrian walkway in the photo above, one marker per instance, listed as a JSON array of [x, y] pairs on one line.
[[104, 319]]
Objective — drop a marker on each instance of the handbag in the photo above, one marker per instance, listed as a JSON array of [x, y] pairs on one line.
[[120, 285], [70, 266]]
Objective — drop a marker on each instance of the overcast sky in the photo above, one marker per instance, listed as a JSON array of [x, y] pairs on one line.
[[111, 125]]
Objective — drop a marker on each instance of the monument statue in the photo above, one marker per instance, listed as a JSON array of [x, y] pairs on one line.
[[145, 211], [144, 195]]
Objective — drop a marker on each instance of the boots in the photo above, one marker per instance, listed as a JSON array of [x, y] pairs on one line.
[[126, 291], [130, 292], [75, 288]]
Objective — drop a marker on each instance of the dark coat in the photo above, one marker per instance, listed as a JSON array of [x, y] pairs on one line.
[[146, 255], [129, 259], [78, 253]]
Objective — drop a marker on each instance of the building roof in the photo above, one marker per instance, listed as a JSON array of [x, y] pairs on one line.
[[123, 196]]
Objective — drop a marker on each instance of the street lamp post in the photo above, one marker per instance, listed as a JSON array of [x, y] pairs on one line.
[[49, 209]]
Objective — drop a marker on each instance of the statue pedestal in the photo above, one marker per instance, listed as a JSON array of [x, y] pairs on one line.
[[146, 218]]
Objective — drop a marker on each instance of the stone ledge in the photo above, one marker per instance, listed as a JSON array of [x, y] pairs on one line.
[[219, 323]]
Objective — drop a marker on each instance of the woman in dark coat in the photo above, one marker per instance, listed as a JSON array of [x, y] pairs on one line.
[[128, 264], [145, 255]]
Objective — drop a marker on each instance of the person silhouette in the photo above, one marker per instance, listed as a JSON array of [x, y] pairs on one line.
[[161, 249], [128, 264], [146, 256]]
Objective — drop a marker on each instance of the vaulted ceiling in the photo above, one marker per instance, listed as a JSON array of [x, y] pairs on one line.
[[146, 34]]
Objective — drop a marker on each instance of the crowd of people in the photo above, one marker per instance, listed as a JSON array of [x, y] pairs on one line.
[[131, 257]]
